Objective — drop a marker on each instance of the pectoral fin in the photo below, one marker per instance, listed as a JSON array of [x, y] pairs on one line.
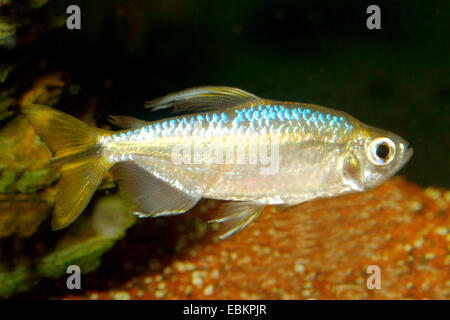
[[148, 195], [235, 216]]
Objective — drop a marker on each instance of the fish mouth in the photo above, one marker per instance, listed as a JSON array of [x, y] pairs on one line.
[[406, 156]]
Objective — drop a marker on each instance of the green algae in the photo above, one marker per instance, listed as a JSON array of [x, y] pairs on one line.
[[7, 31], [7, 180], [4, 3], [16, 279], [26, 181], [6, 102], [82, 244], [27, 184], [38, 3], [32, 181]]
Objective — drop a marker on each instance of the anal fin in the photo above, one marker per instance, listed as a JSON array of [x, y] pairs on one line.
[[235, 216], [148, 195]]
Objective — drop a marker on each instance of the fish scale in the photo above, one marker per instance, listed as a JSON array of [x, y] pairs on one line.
[[240, 119]]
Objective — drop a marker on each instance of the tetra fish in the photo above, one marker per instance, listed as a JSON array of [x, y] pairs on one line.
[[225, 143]]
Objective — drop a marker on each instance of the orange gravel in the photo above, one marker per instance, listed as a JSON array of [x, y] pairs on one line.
[[316, 250]]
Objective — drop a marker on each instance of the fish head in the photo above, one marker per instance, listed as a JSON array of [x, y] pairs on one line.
[[381, 154]]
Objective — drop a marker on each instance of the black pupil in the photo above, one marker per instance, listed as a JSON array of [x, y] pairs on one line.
[[383, 151]]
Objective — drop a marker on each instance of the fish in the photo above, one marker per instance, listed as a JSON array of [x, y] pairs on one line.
[[221, 143]]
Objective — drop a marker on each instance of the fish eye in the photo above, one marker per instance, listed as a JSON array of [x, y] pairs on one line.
[[381, 151]]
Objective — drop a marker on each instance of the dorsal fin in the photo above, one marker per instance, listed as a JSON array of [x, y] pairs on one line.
[[126, 122], [202, 99]]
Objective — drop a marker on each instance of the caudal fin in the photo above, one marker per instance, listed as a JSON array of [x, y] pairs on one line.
[[75, 153]]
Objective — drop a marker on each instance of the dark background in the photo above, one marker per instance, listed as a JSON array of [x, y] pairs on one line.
[[396, 78]]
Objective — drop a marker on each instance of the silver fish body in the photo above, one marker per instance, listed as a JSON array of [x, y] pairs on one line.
[[226, 144], [288, 152]]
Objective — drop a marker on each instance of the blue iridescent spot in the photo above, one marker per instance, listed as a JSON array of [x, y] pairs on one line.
[[305, 112], [335, 119], [260, 107], [276, 108], [216, 117], [165, 125], [280, 115], [295, 113], [265, 114], [321, 118], [200, 118], [273, 115], [208, 118], [123, 135], [287, 114], [248, 115], [256, 115], [158, 126], [173, 123], [137, 131]]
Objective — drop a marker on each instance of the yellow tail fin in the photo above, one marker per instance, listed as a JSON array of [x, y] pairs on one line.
[[76, 153]]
